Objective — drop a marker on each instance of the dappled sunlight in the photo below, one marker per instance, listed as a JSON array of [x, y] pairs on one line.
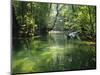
[[73, 55], [52, 37]]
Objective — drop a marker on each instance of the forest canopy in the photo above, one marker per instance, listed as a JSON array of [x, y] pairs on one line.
[[37, 19], [52, 37]]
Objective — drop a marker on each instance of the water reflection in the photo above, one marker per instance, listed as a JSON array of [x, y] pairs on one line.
[[55, 54]]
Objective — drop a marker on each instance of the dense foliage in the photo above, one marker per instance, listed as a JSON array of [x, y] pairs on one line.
[[53, 37], [39, 18]]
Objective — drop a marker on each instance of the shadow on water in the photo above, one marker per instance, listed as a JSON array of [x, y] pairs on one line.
[[55, 54]]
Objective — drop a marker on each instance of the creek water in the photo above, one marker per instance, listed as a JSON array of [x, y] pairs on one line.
[[57, 53]]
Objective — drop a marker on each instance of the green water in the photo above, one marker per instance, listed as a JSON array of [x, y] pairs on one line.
[[57, 53]]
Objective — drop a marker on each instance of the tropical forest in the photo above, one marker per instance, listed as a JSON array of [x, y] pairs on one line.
[[51, 37]]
